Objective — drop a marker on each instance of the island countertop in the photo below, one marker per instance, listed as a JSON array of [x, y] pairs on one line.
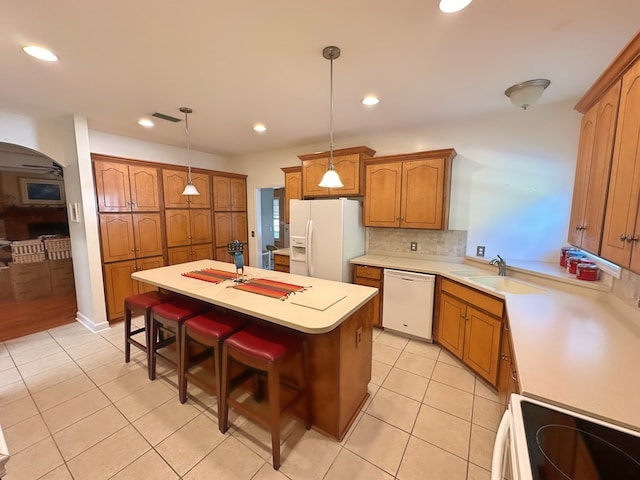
[[319, 309]]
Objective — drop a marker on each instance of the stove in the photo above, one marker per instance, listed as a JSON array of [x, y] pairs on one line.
[[540, 441]]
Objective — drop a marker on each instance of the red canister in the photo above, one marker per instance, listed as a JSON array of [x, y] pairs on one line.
[[573, 260], [587, 271], [564, 251]]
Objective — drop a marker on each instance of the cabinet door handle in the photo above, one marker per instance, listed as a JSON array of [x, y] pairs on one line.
[[623, 237], [504, 357], [513, 376], [632, 239]]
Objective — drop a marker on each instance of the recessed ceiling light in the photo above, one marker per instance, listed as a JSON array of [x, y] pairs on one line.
[[40, 53], [370, 100], [260, 128], [451, 6], [145, 122]]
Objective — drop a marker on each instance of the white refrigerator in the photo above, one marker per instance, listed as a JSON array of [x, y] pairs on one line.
[[323, 236]]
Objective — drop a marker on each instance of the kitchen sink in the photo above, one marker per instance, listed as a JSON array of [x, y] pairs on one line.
[[506, 284]]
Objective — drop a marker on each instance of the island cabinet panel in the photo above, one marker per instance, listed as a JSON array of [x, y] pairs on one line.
[[622, 226], [593, 166], [292, 187], [340, 370], [409, 190], [371, 277], [229, 194], [469, 325], [125, 188], [347, 162]]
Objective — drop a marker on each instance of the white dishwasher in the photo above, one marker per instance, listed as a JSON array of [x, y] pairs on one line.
[[407, 305]]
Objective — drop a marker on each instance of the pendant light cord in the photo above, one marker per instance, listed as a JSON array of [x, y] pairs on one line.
[[186, 130], [331, 116]]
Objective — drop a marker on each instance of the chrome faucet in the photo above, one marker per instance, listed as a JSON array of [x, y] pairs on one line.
[[502, 265]]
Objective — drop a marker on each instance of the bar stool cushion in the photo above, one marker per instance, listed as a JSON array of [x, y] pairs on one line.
[[178, 310], [265, 344], [214, 324], [142, 301]]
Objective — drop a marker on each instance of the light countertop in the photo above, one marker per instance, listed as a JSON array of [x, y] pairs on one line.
[[575, 345], [318, 309], [282, 251]]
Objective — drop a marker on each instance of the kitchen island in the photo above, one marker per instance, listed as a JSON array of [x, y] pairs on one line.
[[335, 317]]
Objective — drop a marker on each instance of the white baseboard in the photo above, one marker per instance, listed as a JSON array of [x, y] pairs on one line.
[[90, 324]]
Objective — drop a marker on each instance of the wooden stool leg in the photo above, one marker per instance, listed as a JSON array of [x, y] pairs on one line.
[[273, 375], [152, 349], [225, 384], [127, 332], [217, 372], [182, 365]]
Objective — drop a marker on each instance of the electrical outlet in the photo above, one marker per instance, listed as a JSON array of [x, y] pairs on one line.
[[414, 246], [358, 336], [480, 251]]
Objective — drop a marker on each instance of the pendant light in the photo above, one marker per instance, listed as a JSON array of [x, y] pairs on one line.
[[190, 188], [331, 178]]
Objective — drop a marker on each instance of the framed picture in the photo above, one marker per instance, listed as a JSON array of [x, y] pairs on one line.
[[40, 191]]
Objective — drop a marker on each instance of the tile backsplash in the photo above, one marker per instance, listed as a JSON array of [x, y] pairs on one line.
[[627, 288], [450, 243]]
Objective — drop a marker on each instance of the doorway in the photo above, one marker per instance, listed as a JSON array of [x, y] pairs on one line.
[[272, 231]]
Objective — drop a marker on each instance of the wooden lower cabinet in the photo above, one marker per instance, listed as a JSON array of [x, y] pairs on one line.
[[470, 327], [508, 373], [371, 277], [119, 284], [281, 263]]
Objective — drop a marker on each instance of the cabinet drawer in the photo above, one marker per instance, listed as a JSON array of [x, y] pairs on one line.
[[368, 272], [478, 299], [282, 260]]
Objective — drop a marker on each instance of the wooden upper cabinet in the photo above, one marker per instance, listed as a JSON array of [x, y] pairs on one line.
[[229, 193], [382, 200], [622, 222], [174, 182], [147, 234], [122, 187], [593, 167], [348, 163], [200, 226], [292, 187], [409, 191], [177, 227]]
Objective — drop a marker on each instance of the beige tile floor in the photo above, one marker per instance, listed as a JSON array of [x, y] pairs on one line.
[[71, 408]]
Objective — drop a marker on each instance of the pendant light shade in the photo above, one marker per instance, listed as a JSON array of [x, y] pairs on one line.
[[331, 179], [190, 188]]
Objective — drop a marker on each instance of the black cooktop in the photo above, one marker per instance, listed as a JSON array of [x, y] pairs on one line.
[[563, 447]]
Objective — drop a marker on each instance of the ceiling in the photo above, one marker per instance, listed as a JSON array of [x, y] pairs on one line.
[[239, 63]]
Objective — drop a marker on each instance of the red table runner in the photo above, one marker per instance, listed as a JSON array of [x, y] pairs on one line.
[[269, 288], [210, 275]]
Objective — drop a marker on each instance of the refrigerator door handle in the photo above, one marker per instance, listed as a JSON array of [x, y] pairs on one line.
[[311, 261]]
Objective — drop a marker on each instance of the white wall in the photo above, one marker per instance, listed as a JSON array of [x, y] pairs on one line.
[[512, 178]]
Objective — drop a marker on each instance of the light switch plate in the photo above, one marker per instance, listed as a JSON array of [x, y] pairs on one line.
[[480, 251]]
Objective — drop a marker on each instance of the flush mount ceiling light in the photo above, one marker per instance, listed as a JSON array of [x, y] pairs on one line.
[[331, 178], [190, 188], [370, 100], [260, 128], [524, 94], [145, 122], [451, 6], [40, 53]]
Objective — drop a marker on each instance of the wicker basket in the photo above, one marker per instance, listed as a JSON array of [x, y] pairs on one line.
[[29, 258], [56, 244]]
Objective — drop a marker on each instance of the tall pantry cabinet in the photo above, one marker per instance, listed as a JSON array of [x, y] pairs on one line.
[[145, 221], [130, 226]]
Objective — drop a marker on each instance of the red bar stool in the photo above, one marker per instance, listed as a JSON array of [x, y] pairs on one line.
[[209, 331], [166, 329], [265, 351], [139, 304]]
